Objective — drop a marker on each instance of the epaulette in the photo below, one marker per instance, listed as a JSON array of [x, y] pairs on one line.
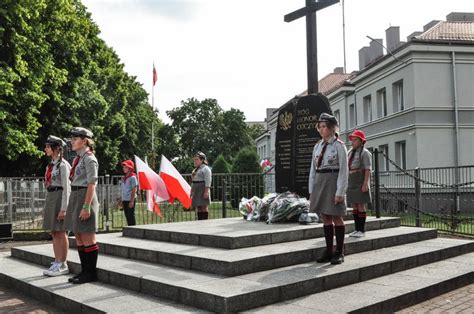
[[340, 141]]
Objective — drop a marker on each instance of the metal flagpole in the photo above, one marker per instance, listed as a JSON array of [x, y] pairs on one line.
[[153, 120], [344, 36]]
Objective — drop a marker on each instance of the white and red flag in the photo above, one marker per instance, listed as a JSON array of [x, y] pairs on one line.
[[155, 75], [153, 184], [178, 188]]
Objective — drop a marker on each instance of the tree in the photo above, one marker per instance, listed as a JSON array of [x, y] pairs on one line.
[[255, 130], [246, 161], [221, 165]]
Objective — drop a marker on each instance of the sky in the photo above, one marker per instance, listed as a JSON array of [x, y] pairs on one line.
[[242, 53]]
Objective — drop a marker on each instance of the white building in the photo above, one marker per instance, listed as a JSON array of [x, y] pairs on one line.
[[416, 102]]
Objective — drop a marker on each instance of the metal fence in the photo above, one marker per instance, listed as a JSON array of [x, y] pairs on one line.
[[441, 198], [22, 201]]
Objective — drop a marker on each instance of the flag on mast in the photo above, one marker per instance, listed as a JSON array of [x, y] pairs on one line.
[[155, 75], [178, 188]]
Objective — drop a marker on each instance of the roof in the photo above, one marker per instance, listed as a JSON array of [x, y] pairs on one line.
[[444, 31], [331, 82]]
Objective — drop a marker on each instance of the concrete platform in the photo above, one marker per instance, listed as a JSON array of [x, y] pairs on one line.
[[385, 294], [249, 259], [234, 233], [230, 294]]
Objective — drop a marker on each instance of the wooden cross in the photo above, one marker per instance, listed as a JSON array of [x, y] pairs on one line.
[[311, 37]]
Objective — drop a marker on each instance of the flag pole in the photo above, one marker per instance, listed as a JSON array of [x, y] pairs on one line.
[[153, 121]]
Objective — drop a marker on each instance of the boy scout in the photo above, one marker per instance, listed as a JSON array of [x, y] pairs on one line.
[[83, 209], [328, 184]]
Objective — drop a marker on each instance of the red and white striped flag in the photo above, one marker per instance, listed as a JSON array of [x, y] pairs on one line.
[[155, 75], [153, 184], [178, 188]]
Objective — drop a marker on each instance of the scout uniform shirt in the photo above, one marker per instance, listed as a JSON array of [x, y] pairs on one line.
[[86, 171], [203, 174], [60, 178], [128, 183], [362, 159], [335, 157]]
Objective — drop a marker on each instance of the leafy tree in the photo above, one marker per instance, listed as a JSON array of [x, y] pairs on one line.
[[221, 165], [246, 161], [255, 130]]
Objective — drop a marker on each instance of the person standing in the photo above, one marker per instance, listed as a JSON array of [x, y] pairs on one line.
[[201, 186], [83, 210], [129, 191], [328, 184], [57, 196], [358, 189]]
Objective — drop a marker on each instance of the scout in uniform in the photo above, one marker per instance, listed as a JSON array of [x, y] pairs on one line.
[[57, 196], [358, 189], [129, 190], [328, 184], [83, 209], [201, 186]]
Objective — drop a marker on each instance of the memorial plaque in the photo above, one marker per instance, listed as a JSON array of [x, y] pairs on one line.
[[295, 139]]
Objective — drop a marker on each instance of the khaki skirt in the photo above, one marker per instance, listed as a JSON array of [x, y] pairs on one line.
[[323, 194], [197, 191], [51, 210], [73, 222], [354, 189]]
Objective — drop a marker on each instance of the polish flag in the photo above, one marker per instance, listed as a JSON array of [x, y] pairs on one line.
[[153, 184], [155, 75], [178, 187]]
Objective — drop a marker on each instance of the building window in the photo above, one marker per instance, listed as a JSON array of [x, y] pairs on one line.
[[381, 103], [401, 154], [352, 115], [383, 161], [398, 100], [367, 108], [337, 114]]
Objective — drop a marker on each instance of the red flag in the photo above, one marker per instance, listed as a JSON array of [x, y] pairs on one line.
[[177, 187], [155, 75], [153, 184]]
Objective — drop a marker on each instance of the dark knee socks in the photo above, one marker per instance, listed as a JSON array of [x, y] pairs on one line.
[[329, 235], [362, 218], [355, 214], [91, 254], [80, 250], [203, 215], [340, 233]]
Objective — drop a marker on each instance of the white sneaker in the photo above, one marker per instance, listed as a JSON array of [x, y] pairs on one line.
[[353, 234], [359, 234], [53, 265], [60, 269]]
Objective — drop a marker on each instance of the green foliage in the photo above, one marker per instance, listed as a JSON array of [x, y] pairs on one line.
[[221, 165], [246, 161], [255, 131], [56, 73]]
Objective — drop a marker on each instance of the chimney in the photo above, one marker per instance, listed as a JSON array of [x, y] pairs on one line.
[[392, 35], [460, 17], [376, 49], [363, 57], [414, 34], [430, 25], [338, 70]]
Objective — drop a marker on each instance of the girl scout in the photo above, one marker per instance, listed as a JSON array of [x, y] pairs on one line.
[[201, 186], [82, 213], [358, 190], [328, 184], [58, 189], [129, 190]]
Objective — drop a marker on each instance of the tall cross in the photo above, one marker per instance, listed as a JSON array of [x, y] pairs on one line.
[[311, 37]]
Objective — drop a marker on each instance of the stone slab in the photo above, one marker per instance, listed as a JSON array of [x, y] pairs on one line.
[[234, 233], [232, 294], [249, 259]]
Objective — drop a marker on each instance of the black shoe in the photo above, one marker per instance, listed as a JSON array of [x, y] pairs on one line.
[[74, 277], [325, 258], [83, 278], [338, 258]]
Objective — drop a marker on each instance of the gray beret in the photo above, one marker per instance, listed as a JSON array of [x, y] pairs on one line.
[[54, 141], [82, 132], [326, 117]]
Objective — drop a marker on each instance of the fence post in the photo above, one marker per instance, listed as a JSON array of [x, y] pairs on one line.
[[10, 199], [417, 197], [32, 201], [377, 183], [224, 198], [106, 201]]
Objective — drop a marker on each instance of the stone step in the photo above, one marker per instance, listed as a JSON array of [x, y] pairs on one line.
[[251, 259], [234, 233], [96, 297], [231, 294], [385, 294]]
